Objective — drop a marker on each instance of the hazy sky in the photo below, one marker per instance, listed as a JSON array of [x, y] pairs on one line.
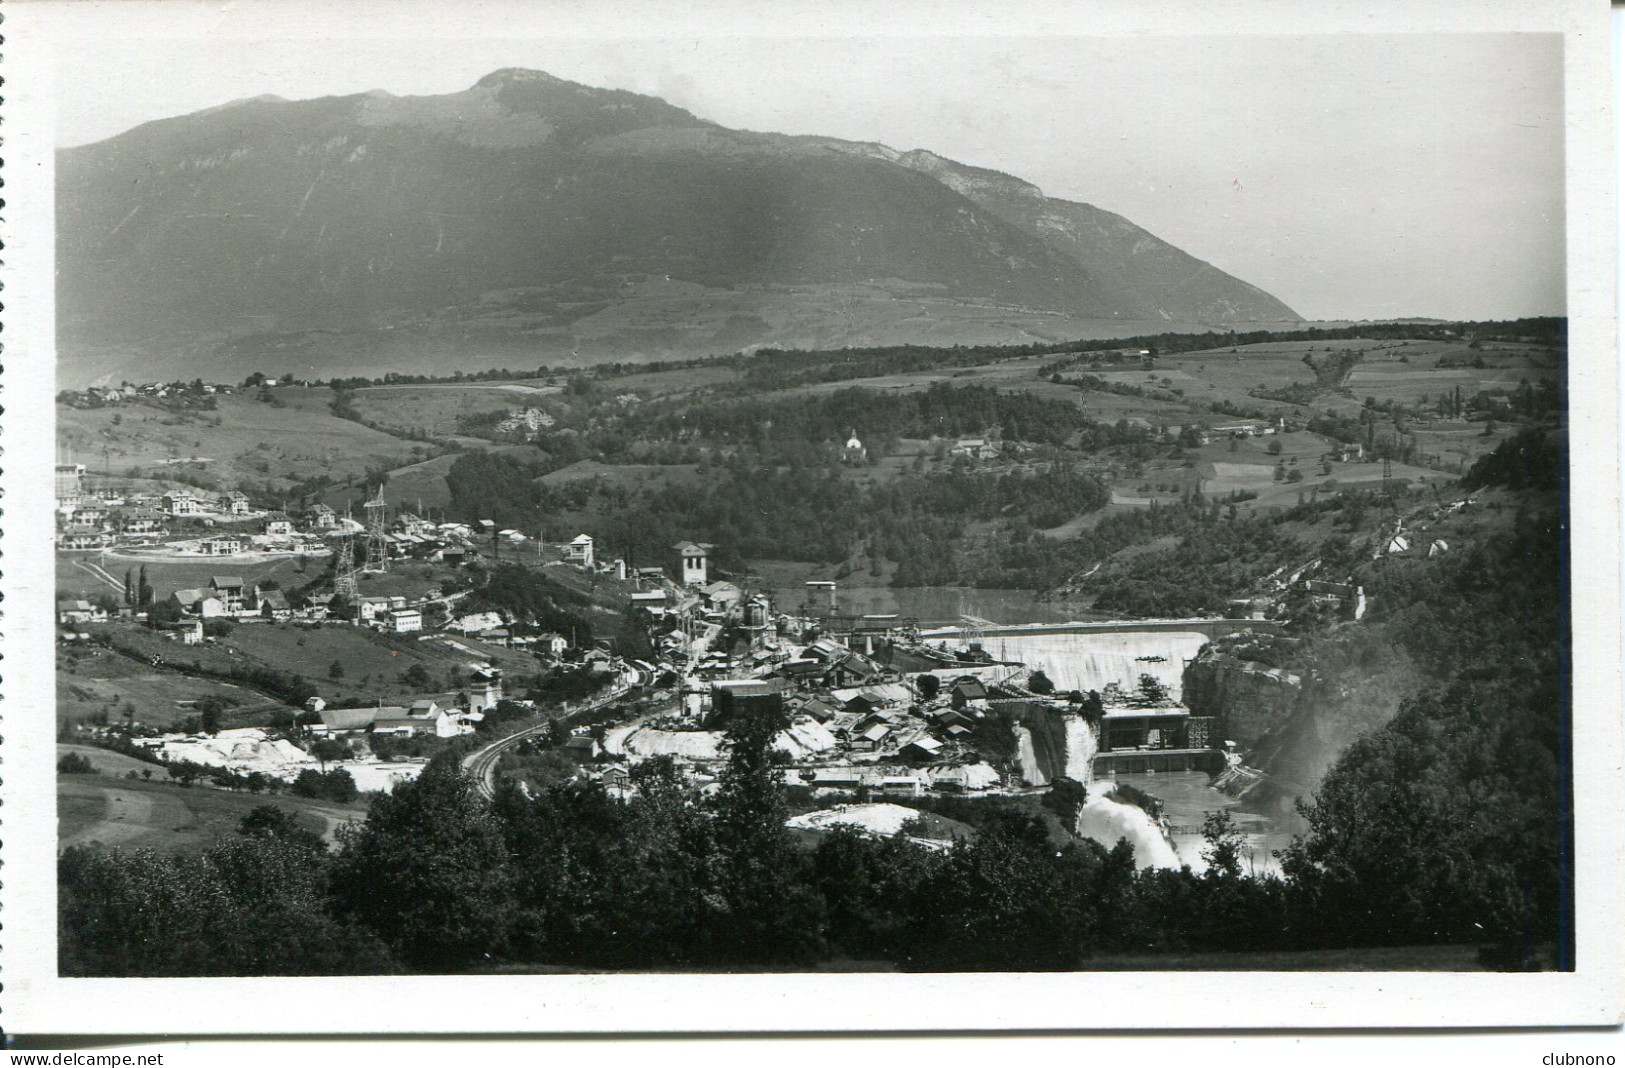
[[1352, 176]]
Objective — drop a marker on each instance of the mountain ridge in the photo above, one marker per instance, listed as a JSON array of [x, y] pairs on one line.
[[534, 208]]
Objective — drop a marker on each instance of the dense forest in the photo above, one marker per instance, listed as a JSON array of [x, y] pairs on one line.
[[939, 526]]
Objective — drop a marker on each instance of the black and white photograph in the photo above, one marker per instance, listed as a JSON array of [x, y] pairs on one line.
[[795, 500]]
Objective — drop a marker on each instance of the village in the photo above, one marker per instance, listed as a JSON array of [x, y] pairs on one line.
[[878, 710]]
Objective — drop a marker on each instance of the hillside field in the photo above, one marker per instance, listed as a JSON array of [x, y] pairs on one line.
[[96, 685], [243, 439], [110, 810]]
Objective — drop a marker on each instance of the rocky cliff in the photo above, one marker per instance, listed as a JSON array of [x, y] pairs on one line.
[[1237, 681]]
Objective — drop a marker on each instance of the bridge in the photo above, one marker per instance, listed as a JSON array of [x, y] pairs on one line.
[[1211, 628]]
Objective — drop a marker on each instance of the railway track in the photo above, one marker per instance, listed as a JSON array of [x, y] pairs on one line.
[[481, 764]]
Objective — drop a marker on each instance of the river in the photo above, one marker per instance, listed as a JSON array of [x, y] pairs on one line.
[[1187, 798]]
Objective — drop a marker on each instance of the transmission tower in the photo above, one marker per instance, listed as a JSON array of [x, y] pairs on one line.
[[973, 629], [377, 535], [345, 585]]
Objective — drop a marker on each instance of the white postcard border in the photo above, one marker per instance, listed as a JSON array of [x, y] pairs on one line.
[[34, 1000]]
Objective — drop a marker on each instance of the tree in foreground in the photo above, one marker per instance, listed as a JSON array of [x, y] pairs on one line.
[[428, 872], [773, 915], [251, 905]]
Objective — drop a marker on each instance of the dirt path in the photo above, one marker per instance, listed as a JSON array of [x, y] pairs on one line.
[[129, 816]]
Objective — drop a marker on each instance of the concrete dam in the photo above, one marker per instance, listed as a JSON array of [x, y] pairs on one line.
[[1091, 656]]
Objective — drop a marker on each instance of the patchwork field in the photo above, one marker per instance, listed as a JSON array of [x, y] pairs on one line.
[[243, 439]]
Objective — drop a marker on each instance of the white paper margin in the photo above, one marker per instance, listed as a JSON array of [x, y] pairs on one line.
[[36, 1001]]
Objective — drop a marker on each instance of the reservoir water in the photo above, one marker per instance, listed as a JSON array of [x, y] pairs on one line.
[[940, 605]]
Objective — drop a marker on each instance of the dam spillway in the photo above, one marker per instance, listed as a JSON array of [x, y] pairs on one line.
[[1091, 655], [1093, 660]]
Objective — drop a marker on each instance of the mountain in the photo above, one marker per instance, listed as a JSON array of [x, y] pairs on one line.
[[529, 218]]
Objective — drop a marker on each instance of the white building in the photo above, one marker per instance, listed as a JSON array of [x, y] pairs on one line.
[[579, 551], [692, 557], [405, 620], [181, 502]]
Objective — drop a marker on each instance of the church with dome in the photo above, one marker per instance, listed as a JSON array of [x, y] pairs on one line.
[[854, 453]]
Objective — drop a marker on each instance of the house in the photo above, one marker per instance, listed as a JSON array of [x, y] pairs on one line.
[[409, 523], [583, 748], [554, 645], [274, 605], [144, 521], [316, 606], [405, 620], [233, 594], [221, 546], [820, 709], [81, 612], [70, 481], [393, 719], [922, 749], [692, 557], [868, 739], [901, 785], [189, 632], [862, 704], [321, 517], [84, 540], [975, 449], [853, 669], [966, 778], [722, 596], [529, 422], [579, 551], [423, 718], [277, 525], [967, 689], [234, 503], [373, 609], [343, 720], [181, 502], [92, 517], [743, 697], [802, 672]]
